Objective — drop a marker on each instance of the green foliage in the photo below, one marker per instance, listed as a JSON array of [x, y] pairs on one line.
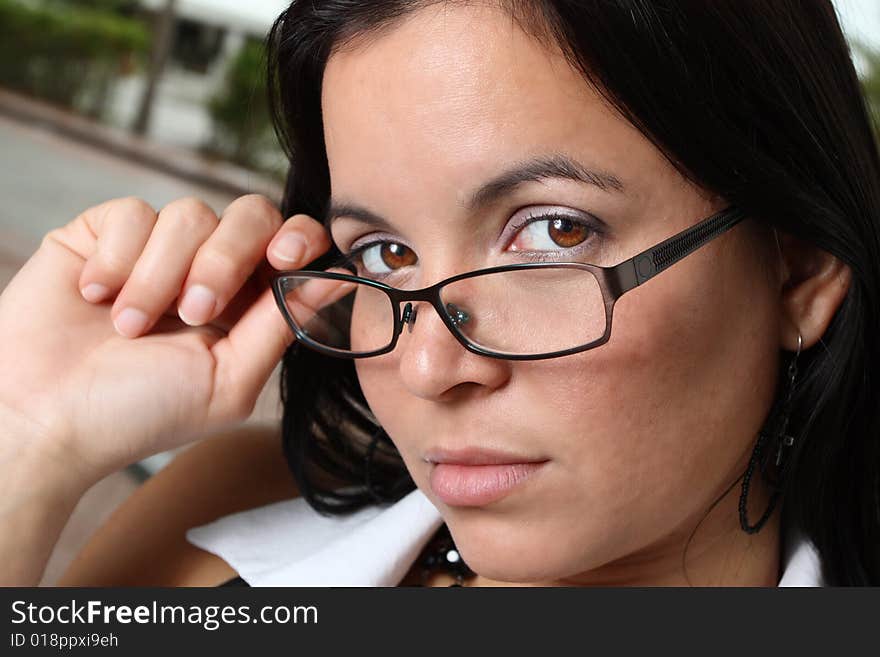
[[242, 129], [65, 52], [104, 5]]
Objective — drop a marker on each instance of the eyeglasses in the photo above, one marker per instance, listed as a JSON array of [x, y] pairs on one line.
[[526, 311]]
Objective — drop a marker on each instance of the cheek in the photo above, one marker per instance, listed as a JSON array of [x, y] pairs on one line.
[[646, 431], [653, 425], [400, 414], [387, 398]]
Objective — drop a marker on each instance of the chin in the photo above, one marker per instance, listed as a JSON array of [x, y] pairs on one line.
[[519, 555]]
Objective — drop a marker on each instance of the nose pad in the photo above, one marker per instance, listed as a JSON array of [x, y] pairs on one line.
[[458, 315], [409, 316]]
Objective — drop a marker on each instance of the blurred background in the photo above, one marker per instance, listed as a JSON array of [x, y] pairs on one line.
[[162, 99]]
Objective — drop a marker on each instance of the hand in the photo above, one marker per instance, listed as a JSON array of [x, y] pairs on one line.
[[107, 376]]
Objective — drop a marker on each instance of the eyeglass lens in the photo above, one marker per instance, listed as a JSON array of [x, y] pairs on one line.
[[519, 312]]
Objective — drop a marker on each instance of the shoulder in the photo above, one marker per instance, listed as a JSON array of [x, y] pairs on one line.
[[143, 543]]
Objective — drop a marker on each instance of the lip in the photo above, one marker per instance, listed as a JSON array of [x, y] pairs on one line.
[[477, 485], [477, 456]]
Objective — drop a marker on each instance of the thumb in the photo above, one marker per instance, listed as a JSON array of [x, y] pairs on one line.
[[249, 353]]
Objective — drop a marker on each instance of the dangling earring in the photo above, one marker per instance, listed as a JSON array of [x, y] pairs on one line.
[[782, 440]]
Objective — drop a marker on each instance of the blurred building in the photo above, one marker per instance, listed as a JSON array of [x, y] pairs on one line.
[[207, 30], [253, 17], [207, 34]]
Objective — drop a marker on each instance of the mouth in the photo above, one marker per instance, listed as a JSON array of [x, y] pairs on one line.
[[476, 477], [477, 456]]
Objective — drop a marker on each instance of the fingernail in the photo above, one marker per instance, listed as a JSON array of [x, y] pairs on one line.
[[290, 248], [94, 292], [197, 305], [130, 322]]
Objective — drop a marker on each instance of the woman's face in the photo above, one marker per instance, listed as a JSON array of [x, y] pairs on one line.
[[639, 435]]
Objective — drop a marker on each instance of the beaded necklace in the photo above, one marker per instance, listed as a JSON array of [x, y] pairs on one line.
[[442, 555]]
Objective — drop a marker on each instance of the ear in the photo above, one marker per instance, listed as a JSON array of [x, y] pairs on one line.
[[813, 285]]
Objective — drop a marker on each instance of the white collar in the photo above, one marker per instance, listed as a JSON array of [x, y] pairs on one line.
[[288, 543]]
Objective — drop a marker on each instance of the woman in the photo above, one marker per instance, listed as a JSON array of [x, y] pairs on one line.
[[432, 139]]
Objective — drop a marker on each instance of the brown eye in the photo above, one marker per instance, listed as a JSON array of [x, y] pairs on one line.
[[553, 234], [567, 233], [396, 255], [380, 259]]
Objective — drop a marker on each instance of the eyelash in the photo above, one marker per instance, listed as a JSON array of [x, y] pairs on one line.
[[352, 257]]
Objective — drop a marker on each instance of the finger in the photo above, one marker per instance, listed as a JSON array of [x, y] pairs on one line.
[[247, 356], [122, 228], [300, 240], [228, 258], [156, 279], [250, 352], [317, 241]]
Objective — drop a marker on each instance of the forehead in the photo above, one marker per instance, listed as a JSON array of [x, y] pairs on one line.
[[445, 95]]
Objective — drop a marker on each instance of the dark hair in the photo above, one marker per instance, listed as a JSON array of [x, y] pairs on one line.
[[756, 101]]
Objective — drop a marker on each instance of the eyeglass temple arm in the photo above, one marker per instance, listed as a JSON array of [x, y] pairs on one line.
[[650, 262]]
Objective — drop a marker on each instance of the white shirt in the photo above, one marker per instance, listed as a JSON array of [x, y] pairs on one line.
[[288, 543]]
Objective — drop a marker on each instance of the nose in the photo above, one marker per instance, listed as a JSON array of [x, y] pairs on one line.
[[434, 365]]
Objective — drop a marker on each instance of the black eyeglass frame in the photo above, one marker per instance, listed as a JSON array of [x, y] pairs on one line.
[[614, 281]]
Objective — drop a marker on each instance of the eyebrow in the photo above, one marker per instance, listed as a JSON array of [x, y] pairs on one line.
[[533, 170]]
